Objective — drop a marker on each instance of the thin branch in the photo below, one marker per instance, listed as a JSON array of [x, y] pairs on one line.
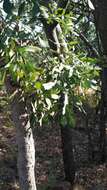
[[93, 50]]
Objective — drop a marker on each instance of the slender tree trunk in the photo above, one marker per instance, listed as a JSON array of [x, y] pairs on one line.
[[25, 141], [89, 138], [58, 45], [103, 116], [67, 150]]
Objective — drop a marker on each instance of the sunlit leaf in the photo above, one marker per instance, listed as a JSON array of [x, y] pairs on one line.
[[49, 85], [48, 101], [55, 96], [43, 43], [91, 5], [38, 85], [32, 49]]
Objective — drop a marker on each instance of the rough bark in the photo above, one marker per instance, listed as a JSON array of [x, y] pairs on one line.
[[25, 141], [57, 43]]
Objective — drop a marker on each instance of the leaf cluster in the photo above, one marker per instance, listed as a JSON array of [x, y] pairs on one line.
[[42, 77]]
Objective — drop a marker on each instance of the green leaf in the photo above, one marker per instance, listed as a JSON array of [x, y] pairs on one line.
[[34, 76], [20, 74], [72, 43], [49, 85], [35, 9], [54, 96], [32, 49], [86, 84], [48, 101], [7, 6], [89, 59], [91, 5], [43, 43], [38, 85], [21, 8]]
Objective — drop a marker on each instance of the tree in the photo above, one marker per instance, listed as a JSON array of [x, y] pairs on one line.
[[58, 44], [19, 111], [98, 9], [100, 14], [25, 141]]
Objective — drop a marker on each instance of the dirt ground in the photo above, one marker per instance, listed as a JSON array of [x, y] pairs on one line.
[[49, 163]]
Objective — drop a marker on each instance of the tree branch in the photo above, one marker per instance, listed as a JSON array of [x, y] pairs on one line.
[[93, 50]]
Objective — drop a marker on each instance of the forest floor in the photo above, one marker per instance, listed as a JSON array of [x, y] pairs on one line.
[[49, 163]]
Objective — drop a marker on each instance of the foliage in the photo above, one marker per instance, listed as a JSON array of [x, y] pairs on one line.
[[42, 77]]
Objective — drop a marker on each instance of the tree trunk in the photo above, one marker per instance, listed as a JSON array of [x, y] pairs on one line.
[[89, 138], [58, 45], [67, 150], [25, 141], [101, 26], [103, 116]]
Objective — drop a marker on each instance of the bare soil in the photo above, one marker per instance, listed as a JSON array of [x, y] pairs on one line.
[[49, 163]]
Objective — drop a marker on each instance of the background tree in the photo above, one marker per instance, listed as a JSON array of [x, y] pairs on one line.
[[100, 8]]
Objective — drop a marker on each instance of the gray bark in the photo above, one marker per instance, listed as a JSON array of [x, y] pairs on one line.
[[25, 141]]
